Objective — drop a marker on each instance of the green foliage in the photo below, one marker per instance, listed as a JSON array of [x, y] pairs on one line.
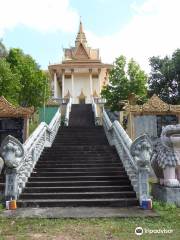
[[162, 206], [3, 50], [34, 122], [164, 78], [122, 83], [10, 86], [34, 82]]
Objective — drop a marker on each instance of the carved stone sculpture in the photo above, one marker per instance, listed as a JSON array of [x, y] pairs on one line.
[[1, 164], [166, 156], [141, 150], [12, 152]]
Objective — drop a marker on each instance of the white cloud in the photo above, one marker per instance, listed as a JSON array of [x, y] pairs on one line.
[[152, 31], [41, 15]]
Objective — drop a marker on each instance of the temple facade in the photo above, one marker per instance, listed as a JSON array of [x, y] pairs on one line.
[[81, 74]]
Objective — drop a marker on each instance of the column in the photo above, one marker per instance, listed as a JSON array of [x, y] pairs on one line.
[[107, 76], [55, 85], [72, 85], [99, 81], [90, 83], [63, 83]]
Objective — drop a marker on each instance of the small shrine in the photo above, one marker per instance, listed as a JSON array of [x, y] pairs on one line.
[[150, 117], [14, 120]]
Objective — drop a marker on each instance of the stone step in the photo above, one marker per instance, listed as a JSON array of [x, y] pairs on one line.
[[73, 169], [48, 164], [86, 148], [80, 169], [78, 174], [80, 185], [78, 195], [102, 202], [79, 178], [79, 154], [75, 161]]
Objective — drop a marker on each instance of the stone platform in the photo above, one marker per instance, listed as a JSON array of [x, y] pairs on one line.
[[78, 212], [166, 194]]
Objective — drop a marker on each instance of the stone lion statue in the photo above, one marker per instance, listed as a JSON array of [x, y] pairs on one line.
[[12, 152], [165, 159]]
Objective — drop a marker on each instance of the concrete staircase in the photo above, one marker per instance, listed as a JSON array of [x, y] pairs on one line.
[[80, 169]]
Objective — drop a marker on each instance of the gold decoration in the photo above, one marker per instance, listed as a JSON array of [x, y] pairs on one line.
[[95, 94], [82, 96], [68, 95], [8, 110], [81, 52], [153, 105], [175, 108]]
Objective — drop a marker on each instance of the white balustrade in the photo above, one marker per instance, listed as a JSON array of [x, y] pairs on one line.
[[94, 108], [68, 110], [130, 153], [20, 159]]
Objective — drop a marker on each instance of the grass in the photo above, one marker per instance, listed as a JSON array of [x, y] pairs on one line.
[[92, 229]]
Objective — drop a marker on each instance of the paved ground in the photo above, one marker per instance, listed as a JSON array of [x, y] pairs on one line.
[[76, 212]]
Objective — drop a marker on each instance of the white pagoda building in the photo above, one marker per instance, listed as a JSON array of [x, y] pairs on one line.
[[81, 74]]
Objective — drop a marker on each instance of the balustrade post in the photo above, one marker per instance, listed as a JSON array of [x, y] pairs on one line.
[[11, 187], [141, 150], [12, 152], [143, 182]]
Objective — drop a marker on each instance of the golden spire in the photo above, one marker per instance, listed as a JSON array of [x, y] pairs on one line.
[[81, 37]]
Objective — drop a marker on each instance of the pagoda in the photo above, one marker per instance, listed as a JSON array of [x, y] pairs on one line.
[[81, 74]]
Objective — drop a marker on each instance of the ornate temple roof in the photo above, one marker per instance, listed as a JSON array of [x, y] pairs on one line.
[[52, 102], [81, 37], [8, 110], [81, 51], [152, 106], [80, 55]]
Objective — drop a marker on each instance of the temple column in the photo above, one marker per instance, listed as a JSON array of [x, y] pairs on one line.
[[55, 85], [90, 83], [63, 83], [99, 81], [72, 85]]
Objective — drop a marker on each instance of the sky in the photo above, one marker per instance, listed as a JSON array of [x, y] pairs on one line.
[[138, 29]]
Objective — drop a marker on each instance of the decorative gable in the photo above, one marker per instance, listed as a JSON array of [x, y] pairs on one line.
[[81, 52]]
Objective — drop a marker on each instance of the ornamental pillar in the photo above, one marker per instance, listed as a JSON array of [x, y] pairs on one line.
[[63, 83], [99, 81], [72, 84], [55, 84], [90, 82]]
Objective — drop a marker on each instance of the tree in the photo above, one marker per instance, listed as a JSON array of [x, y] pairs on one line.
[[164, 77], [3, 50], [34, 82], [9, 82], [122, 83]]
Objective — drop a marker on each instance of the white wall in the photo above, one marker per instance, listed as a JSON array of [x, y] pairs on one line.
[[81, 83], [67, 86], [95, 85]]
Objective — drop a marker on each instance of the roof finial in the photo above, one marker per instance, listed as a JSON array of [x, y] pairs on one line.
[[81, 35]]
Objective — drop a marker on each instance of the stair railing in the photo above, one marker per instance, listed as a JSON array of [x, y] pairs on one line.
[[20, 159], [135, 155], [68, 110], [94, 108]]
